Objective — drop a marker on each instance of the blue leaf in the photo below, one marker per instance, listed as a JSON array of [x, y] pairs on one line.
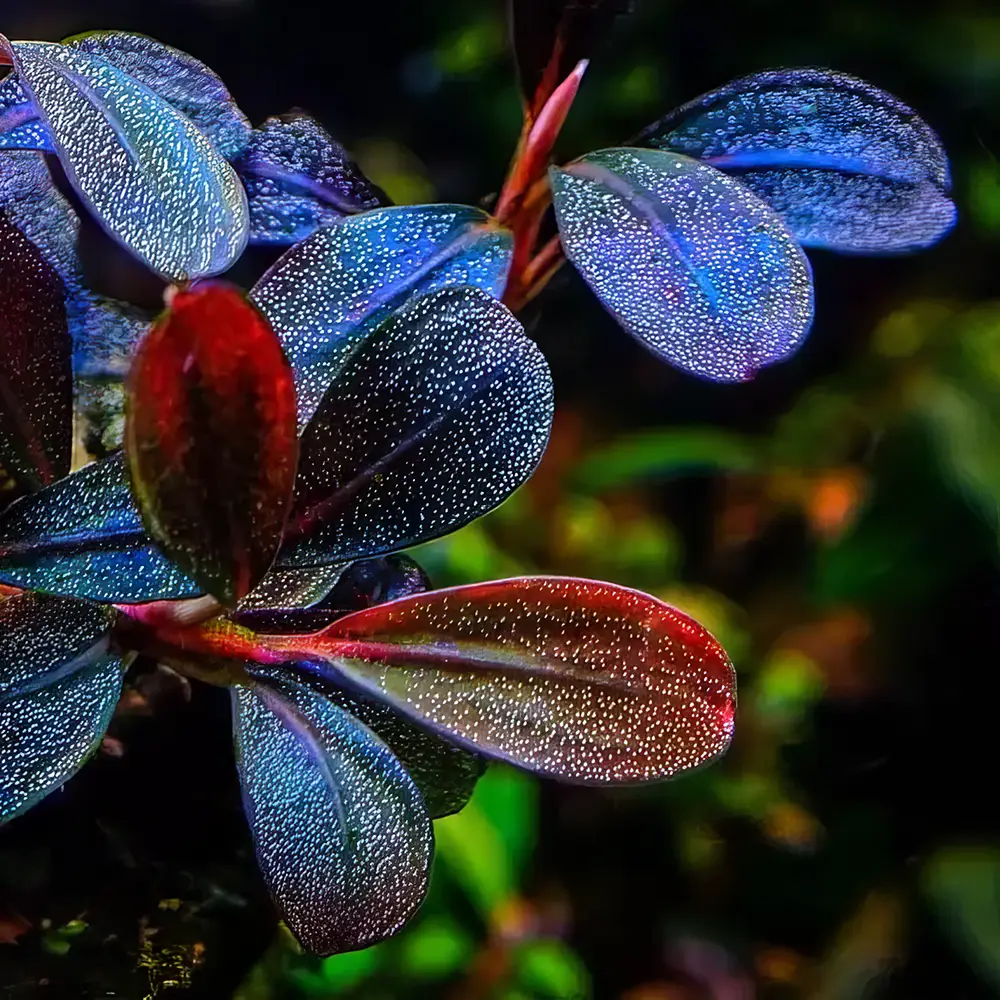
[[59, 684], [299, 180], [327, 293], [152, 179], [432, 422], [83, 537], [342, 837], [689, 261], [20, 126], [846, 165], [184, 82]]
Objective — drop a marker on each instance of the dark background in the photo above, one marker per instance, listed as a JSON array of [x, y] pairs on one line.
[[835, 522]]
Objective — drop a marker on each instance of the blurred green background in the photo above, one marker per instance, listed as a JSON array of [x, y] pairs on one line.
[[835, 523]]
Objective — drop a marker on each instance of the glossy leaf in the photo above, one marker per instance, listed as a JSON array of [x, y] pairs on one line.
[[298, 180], [152, 179], [20, 126], [326, 294], [694, 265], [551, 36], [59, 684], [445, 774], [184, 82], [211, 440], [342, 837], [290, 589], [846, 165], [36, 381], [83, 537], [434, 420], [374, 581], [582, 681]]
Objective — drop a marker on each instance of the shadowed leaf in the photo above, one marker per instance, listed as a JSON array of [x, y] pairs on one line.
[[342, 837], [846, 165], [59, 683], [695, 266], [435, 419], [328, 292], [83, 537], [152, 179], [210, 438], [299, 180], [20, 126]]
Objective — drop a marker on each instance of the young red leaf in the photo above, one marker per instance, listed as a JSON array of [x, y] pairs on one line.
[[211, 438], [582, 681], [36, 390]]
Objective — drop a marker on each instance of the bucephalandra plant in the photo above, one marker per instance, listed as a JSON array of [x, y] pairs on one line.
[[260, 456]]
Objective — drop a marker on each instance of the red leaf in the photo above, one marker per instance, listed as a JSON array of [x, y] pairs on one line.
[[36, 388], [211, 438]]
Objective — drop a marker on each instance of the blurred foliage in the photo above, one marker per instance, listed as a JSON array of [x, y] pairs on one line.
[[835, 523]]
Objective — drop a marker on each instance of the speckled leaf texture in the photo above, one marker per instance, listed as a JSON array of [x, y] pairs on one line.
[[582, 681], [59, 684], [342, 836], [36, 379], [83, 537], [292, 589], [848, 166], [151, 178], [184, 82], [324, 295], [689, 261], [210, 436], [298, 180], [434, 420], [20, 126]]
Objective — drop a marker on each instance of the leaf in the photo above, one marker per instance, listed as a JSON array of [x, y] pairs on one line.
[[434, 420], [152, 180], [366, 582], [59, 684], [184, 82], [299, 180], [326, 294], [20, 126], [551, 36], [36, 379], [342, 838], [582, 681], [210, 438], [846, 165], [283, 589], [83, 537], [445, 774], [692, 264]]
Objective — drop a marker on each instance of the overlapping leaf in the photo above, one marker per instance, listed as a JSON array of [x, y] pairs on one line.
[[184, 82], [298, 180], [36, 390], [689, 261], [435, 419], [846, 165], [328, 292], [20, 126], [83, 537], [342, 837], [151, 178], [211, 438], [59, 683], [583, 681]]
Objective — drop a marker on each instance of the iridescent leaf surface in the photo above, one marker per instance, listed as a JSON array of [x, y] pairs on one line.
[[211, 439], [298, 180], [434, 420], [691, 263], [59, 684], [375, 581], [36, 382], [342, 837], [151, 178], [181, 80], [20, 126], [83, 537], [582, 681], [846, 165], [285, 589], [327, 293]]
